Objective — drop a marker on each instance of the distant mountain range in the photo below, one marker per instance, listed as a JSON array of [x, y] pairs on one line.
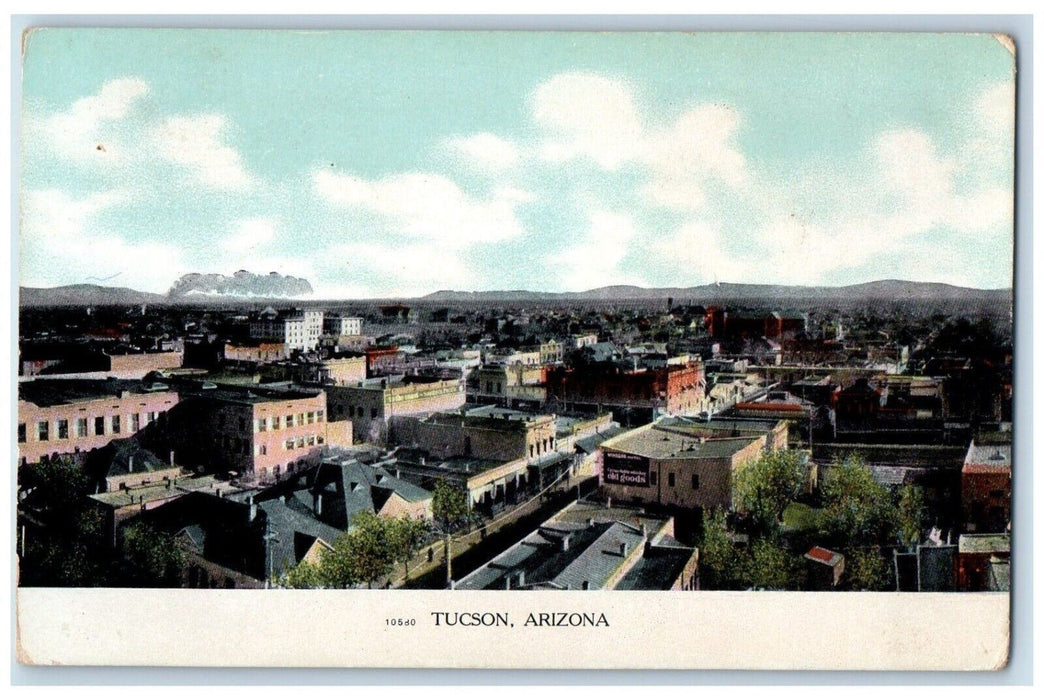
[[879, 290], [199, 288], [190, 288]]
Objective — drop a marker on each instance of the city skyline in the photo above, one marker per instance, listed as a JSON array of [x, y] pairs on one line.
[[397, 164]]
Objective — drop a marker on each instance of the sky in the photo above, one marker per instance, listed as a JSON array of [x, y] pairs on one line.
[[384, 164]]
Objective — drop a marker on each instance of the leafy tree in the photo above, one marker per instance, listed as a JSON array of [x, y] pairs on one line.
[[152, 557], [772, 566], [367, 548], [764, 486], [405, 536], [867, 570], [720, 559], [912, 514], [307, 575], [449, 503], [857, 511]]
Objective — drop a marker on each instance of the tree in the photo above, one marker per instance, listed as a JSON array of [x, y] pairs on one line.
[[771, 566], [720, 559], [405, 536], [857, 511], [867, 570], [152, 557], [764, 486], [912, 515], [449, 503], [307, 575]]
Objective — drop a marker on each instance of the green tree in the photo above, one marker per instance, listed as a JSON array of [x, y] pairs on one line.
[[152, 557], [912, 515], [405, 536], [308, 575], [367, 548], [762, 487], [857, 511], [449, 503], [720, 559], [772, 566], [867, 570]]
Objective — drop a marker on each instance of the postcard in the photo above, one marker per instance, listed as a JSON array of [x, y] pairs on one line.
[[478, 349]]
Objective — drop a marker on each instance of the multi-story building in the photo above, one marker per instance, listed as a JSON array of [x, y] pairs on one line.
[[256, 432], [371, 404], [338, 325], [297, 329], [61, 416], [491, 434], [986, 488], [658, 465]]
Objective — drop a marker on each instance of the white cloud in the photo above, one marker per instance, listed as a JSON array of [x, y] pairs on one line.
[[426, 206], [406, 270], [485, 151], [249, 234], [595, 260], [61, 244], [91, 128], [198, 144], [588, 116]]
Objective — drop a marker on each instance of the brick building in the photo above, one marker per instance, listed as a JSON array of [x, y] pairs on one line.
[[62, 416], [256, 432], [986, 488], [371, 404]]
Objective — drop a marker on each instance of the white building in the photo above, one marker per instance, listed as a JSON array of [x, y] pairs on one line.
[[342, 325], [298, 330]]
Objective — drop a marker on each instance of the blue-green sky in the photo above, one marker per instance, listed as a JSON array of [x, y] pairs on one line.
[[398, 163]]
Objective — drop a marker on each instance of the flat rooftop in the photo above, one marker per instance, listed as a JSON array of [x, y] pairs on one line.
[[160, 491], [988, 458], [61, 392], [655, 443]]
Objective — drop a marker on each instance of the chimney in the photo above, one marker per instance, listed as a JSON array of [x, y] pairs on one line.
[[563, 544], [217, 492], [608, 501], [398, 474], [623, 549], [590, 522], [172, 458], [253, 508], [130, 464], [507, 582], [586, 586], [645, 530], [318, 504], [521, 579]]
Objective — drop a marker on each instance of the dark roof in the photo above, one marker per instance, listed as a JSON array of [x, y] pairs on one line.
[[60, 392], [291, 534], [657, 570]]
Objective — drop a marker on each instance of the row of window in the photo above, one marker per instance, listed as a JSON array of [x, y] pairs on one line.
[[355, 411], [546, 444], [45, 431], [671, 481], [289, 421]]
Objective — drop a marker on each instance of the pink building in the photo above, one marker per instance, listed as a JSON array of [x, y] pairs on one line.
[[264, 433], [61, 416]]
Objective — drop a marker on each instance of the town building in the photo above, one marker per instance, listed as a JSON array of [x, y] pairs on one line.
[[337, 325], [257, 432], [589, 547], [986, 488], [657, 465], [297, 329], [63, 416], [370, 405]]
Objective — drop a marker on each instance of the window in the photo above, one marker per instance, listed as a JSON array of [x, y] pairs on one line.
[[289, 421], [695, 482], [21, 432], [261, 425], [300, 419], [652, 478], [135, 422], [41, 430], [81, 427], [359, 411], [319, 416], [63, 429], [115, 425], [300, 441], [670, 479], [373, 413], [289, 444], [262, 449], [242, 424]]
